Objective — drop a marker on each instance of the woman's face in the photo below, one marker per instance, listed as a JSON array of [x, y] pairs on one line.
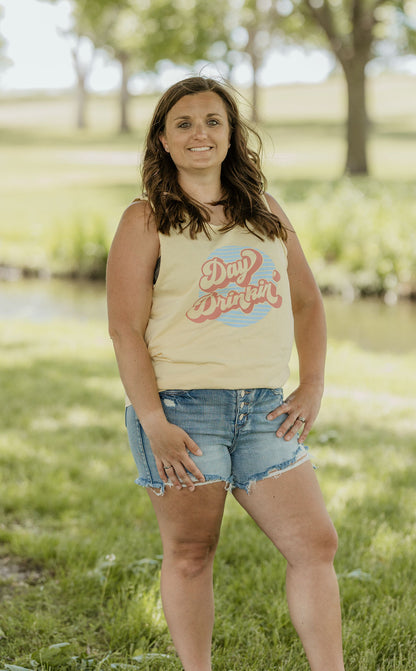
[[197, 133]]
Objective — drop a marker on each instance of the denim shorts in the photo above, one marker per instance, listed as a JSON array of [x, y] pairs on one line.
[[239, 445]]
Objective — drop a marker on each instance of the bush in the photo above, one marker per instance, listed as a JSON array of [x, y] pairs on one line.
[[81, 246], [365, 232]]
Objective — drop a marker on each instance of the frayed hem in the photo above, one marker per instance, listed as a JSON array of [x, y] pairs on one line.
[[158, 489], [274, 472]]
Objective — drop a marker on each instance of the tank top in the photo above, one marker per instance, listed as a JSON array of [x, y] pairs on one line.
[[221, 316]]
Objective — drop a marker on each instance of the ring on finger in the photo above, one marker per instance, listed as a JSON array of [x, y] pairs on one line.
[[166, 468], [302, 419]]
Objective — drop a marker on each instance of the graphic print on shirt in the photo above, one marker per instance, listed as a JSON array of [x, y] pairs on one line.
[[238, 286]]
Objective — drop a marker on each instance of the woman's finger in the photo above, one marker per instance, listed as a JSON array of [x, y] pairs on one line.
[[161, 470], [184, 478], [170, 471], [190, 466], [277, 412], [193, 447]]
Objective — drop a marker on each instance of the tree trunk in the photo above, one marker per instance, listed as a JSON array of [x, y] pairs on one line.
[[256, 58], [254, 98], [81, 102], [124, 93], [357, 121], [82, 70], [353, 52]]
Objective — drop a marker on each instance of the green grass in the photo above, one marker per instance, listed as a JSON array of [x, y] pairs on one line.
[[80, 553]]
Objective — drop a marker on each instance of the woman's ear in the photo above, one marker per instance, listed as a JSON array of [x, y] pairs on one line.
[[163, 142]]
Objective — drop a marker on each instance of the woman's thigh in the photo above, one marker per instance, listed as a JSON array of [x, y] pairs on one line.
[[291, 511], [190, 518]]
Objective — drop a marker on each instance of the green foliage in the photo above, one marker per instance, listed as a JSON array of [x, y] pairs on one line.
[[80, 247], [365, 230]]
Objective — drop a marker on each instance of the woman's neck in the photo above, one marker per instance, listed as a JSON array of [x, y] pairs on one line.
[[204, 191]]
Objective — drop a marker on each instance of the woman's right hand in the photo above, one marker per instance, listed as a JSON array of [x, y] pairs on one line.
[[171, 446]]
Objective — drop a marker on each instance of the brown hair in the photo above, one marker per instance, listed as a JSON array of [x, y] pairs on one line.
[[242, 180]]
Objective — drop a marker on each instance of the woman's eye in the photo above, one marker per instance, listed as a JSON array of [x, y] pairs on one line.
[[213, 122], [184, 124]]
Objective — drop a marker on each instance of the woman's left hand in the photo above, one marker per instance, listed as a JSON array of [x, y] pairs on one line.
[[301, 407]]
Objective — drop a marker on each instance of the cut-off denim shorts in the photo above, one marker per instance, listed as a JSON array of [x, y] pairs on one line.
[[239, 445]]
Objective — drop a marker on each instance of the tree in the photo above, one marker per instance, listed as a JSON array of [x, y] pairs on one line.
[[353, 28], [141, 33], [258, 25], [85, 15]]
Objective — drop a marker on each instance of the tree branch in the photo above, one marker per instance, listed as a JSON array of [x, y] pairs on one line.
[[324, 16]]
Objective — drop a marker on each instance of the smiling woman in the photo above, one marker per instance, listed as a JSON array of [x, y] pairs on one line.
[[205, 410]]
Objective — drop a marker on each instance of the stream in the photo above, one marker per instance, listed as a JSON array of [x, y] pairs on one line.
[[369, 323]]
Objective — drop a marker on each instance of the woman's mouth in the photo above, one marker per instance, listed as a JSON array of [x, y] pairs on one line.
[[200, 148]]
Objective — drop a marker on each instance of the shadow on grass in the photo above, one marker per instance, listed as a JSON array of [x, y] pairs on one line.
[[72, 139], [70, 503]]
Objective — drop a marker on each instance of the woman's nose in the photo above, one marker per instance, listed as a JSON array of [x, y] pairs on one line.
[[200, 129]]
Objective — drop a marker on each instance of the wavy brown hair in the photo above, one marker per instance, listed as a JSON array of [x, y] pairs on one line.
[[242, 180]]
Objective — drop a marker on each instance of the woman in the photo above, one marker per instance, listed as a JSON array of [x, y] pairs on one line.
[[207, 286]]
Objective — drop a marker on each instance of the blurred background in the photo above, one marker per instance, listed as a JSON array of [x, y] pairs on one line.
[[331, 87]]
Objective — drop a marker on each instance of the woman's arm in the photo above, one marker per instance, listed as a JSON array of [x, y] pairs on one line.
[[310, 338], [131, 263]]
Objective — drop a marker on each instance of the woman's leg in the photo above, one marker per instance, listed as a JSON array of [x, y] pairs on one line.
[[291, 511], [189, 524]]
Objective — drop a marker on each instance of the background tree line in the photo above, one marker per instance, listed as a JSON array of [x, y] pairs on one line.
[[140, 34]]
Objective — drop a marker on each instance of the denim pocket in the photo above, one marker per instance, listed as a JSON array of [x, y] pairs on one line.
[[174, 393]]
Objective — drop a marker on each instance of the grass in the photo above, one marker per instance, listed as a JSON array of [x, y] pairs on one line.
[[79, 551], [80, 554]]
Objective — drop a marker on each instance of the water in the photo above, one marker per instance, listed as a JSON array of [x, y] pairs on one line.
[[369, 323], [44, 300]]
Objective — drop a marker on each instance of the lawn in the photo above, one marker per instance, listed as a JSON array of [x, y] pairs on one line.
[[80, 554], [79, 551]]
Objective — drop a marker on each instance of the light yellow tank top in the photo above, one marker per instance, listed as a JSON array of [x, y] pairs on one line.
[[221, 316]]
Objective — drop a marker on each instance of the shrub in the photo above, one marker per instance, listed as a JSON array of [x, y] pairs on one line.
[[80, 248], [364, 230]]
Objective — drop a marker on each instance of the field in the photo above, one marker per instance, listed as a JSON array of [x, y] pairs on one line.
[[63, 191], [79, 551]]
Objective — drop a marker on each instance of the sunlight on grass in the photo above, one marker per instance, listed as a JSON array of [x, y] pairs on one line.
[[388, 542], [80, 535], [70, 500]]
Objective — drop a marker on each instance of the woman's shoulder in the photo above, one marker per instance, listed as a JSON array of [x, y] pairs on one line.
[[139, 217], [276, 209], [137, 232], [138, 210]]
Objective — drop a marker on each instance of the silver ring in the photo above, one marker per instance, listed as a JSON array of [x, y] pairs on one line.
[[166, 468], [302, 419]]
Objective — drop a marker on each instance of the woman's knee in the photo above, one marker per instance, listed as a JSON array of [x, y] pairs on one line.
[[323, 544], [317, 546], [328, 545], [191, 558]]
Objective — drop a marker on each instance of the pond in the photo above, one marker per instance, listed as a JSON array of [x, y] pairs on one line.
[[369, 323]]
